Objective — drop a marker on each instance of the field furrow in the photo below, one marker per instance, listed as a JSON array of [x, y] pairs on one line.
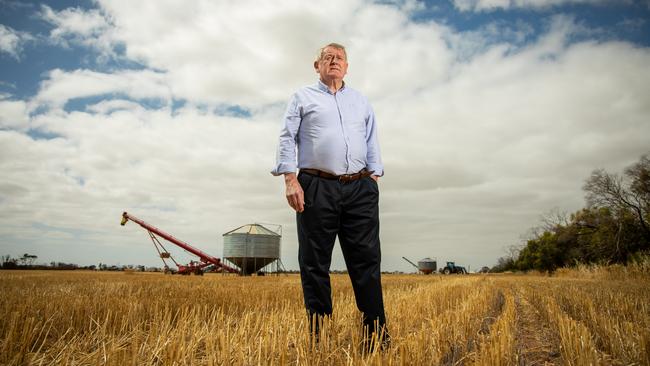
[[536, 342], [496, 338]]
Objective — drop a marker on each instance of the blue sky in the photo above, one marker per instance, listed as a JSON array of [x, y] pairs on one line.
[[491, 113]]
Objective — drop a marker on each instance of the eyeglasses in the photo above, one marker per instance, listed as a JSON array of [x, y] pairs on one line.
[[328, 57]]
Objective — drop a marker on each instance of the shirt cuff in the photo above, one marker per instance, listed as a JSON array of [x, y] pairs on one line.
[[377, 169], [284, 168]]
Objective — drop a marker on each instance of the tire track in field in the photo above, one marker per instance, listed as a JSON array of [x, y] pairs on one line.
[[536, 343]]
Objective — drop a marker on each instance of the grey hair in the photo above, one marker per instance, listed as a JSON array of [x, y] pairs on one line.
[[319, 55]]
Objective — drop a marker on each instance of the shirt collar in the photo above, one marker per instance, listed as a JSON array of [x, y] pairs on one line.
[[324, 87]]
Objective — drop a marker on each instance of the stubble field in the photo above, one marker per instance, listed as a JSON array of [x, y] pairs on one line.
[[588, 317]]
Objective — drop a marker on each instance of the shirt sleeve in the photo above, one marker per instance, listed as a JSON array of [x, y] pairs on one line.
[[373, 156], [286, 154]]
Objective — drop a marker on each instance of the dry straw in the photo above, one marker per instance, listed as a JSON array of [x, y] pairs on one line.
[[114, 319]]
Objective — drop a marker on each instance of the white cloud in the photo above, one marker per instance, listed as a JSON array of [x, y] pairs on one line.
[[12, 41], [9, 41], [149, 163], [115, 105], [63, 86], [251, 54], [238, 53], [89, 28], [407, 6], [479, 136], [489, 5], [13, 114]]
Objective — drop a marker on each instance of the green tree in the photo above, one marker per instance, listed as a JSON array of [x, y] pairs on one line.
[[611, 229], [542, 253]]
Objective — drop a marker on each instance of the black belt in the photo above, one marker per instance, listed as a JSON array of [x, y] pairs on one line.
[[341, 178]]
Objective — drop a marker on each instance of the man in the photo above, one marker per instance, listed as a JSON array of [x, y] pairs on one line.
[[336, 191]]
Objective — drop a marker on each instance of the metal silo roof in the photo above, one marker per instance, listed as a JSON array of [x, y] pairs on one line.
[[252, 229]]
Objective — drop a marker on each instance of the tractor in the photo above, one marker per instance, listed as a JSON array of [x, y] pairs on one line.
[[451, 267]]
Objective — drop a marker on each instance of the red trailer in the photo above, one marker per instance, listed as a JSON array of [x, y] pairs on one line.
[[194, 267]]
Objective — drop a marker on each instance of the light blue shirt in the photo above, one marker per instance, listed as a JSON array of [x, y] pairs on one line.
[[335, 133]]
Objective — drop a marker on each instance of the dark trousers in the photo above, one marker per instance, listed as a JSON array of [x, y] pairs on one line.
[[349, 210]]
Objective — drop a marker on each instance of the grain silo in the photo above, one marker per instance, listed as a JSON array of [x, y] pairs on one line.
[[427, 265], [252, 247]]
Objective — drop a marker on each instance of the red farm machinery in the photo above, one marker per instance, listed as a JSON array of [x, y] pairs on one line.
[[194, 267]]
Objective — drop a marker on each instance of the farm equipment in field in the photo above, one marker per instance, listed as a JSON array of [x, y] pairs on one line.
[[194, 267], [413, 264], [426, 265], [451, 267]]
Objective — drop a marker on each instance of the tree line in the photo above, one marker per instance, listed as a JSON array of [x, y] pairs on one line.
[[614, 227], [26, 261]]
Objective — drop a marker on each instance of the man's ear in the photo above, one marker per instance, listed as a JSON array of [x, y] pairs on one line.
[[316, 66]]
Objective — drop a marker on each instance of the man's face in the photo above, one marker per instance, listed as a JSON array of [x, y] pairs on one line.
[[332, 65]]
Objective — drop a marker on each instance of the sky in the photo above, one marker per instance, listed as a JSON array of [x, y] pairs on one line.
[[491, 114]]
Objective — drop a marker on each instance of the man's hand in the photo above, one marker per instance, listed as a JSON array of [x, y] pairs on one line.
[[375, 177], [294, 193]]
